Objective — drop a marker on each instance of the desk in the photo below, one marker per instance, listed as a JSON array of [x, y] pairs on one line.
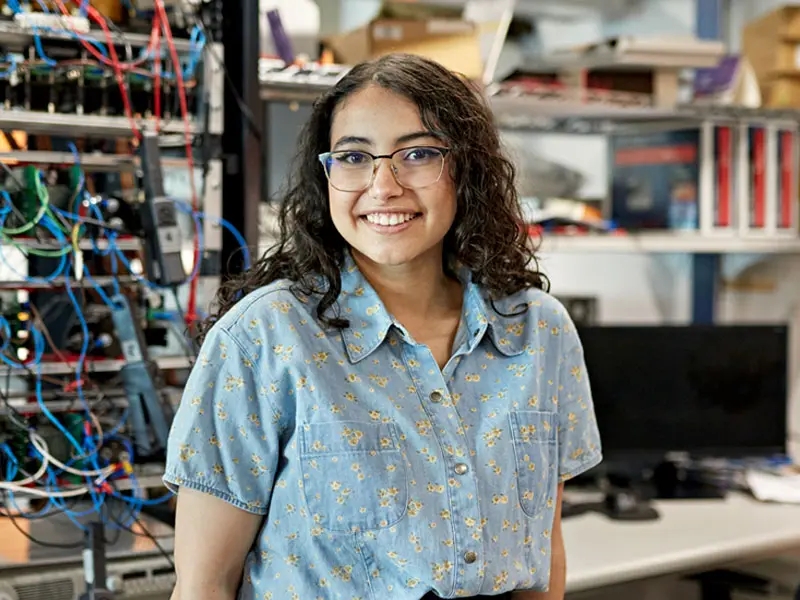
[[692, 535]]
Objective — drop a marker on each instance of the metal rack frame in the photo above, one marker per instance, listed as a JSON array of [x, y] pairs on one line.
[[241, 140], [209, 123]]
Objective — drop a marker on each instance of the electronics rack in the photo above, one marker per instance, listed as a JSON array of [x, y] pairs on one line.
[[62, 117]]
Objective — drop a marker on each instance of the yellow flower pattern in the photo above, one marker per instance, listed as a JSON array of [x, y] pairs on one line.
[[379, 474]]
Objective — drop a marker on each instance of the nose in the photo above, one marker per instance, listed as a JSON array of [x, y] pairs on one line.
[[384, 184]]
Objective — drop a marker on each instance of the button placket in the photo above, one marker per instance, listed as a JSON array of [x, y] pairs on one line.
[[443, 417]]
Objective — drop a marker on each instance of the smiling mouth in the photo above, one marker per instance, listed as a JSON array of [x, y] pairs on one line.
[[390, 219]]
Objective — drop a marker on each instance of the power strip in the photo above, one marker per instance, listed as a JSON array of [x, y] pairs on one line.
[[33, 20]]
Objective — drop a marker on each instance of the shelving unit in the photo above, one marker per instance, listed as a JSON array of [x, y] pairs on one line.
[[562, 113], [668, 243], [84, 125], [206, 120]]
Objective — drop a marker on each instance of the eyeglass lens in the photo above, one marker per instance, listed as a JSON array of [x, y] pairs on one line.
[[353, 170]]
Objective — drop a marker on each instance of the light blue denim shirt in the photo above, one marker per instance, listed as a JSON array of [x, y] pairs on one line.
[[379, 474]]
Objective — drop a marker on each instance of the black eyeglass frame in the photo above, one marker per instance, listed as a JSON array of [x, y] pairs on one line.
[[326, 156]]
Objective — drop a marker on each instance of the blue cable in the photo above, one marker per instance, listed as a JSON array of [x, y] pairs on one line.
[[185, 207], [11, 467], [151, 284]]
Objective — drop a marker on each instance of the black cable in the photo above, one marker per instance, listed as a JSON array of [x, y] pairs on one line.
[[13, 520], [16, 417], [248, 115], [144, 533], [153, 539]]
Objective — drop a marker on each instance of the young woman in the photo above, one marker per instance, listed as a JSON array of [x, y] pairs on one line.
[[388, 404]]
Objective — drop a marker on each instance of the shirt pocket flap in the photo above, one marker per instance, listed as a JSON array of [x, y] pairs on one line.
[[348, 437]]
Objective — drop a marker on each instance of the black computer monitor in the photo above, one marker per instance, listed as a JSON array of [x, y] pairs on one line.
[[702, 390]]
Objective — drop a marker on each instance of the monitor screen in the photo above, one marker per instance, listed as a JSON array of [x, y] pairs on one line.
[[704, 390]]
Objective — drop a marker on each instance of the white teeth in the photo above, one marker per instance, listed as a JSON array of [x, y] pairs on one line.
[[389, 219]]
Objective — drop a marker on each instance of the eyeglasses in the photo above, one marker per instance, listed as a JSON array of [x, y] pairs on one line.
[[413, 168]]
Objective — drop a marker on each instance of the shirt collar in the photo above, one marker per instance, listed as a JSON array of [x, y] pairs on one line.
[[370, 322], [360, 304], [500, 318]]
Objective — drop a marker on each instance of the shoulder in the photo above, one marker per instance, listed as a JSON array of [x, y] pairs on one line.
[[274, 307], [539, 318], [534, 306]]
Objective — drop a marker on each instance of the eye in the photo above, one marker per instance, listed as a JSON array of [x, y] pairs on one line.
[[420, 154], [351, 159]]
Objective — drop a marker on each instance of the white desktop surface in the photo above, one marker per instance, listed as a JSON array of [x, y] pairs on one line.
[[691, 535]]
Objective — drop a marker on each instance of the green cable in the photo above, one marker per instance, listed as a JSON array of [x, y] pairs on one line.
[[44, 209], [44, 199]]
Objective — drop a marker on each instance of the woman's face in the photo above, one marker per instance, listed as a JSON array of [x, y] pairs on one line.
[[399, 213]]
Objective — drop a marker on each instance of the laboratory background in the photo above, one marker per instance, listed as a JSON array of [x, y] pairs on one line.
[[143, 148]]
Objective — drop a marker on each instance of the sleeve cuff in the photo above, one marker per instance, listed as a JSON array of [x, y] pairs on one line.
[[174, 482], [587, 463]]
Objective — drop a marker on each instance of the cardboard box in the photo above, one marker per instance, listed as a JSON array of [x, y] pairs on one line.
[[453, 43], [771, 44]]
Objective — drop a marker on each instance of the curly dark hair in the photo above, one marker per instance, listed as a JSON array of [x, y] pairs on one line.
[[486, 236]]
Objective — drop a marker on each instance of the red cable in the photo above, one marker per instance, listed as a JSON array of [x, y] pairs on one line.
[[115, 63], [161, 20], [157, 82], [124, 66], [191, 306]]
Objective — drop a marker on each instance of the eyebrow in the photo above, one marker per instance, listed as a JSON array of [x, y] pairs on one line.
[[409, 137]]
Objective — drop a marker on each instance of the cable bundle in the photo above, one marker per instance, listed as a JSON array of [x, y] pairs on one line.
[[94, 451]]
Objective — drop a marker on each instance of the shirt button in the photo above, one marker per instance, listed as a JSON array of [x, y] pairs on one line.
[[436, 397], [470, 557], [461, 469]]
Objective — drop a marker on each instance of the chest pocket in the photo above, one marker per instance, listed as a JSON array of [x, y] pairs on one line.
[[354, 475], [536, 453]]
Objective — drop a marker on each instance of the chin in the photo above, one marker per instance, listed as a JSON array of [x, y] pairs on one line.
[[389, 257]]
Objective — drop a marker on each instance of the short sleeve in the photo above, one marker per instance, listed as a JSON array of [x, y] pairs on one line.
[[578, 435], [224, 438]]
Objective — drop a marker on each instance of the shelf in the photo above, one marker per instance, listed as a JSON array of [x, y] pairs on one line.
[[293, 83], [669, 243], [581, 111], [114, 398], [83, 125], [164, 363], [11, 33], [126, 244], [60, 282], [145, 479], [93, 161]]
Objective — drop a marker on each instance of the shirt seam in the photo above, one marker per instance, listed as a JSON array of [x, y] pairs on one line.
[[199, 486], [276, 414], [258, 295]]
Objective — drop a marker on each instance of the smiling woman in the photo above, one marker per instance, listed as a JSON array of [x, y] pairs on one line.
[[388, 403], [382, 185]]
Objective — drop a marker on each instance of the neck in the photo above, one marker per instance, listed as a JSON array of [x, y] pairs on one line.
[[420, 287]]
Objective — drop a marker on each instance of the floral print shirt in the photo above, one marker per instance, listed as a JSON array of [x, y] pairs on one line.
[[380, 475]]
